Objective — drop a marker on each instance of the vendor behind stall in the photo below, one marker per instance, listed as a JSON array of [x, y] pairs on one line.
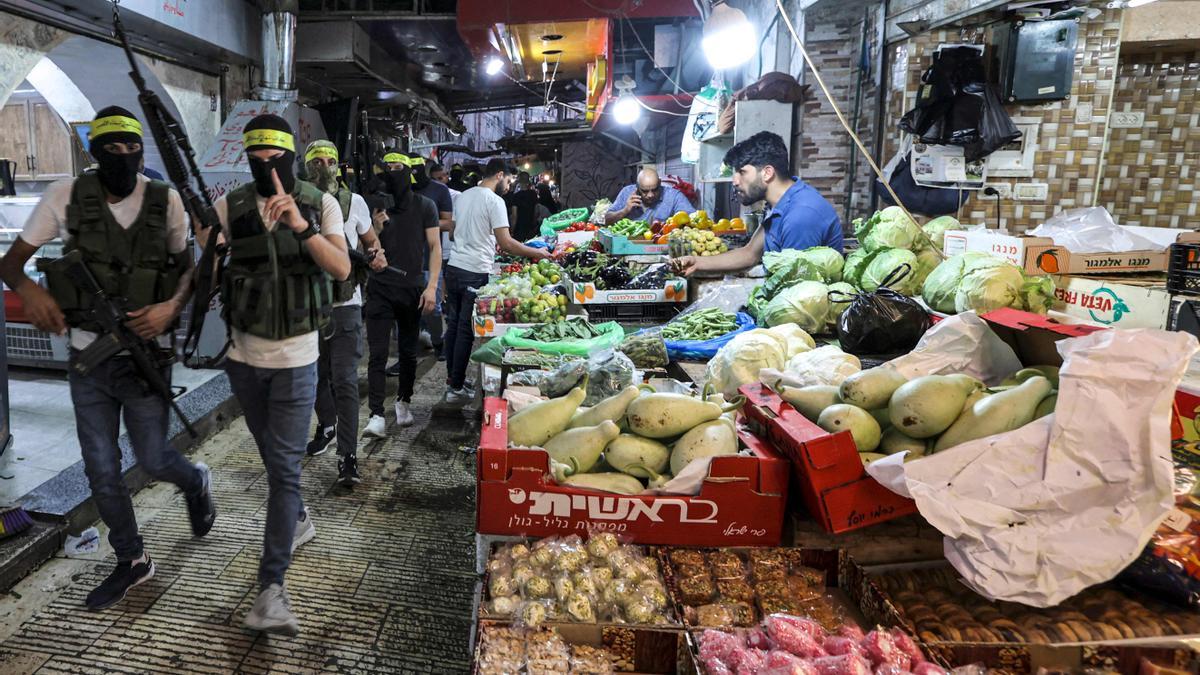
[[648, 200], [800, 217]]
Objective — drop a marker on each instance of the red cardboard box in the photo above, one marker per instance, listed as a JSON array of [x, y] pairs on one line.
[[741, 503], [829, 476]]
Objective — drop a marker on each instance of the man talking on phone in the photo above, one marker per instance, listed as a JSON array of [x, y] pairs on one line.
[[647, 199]]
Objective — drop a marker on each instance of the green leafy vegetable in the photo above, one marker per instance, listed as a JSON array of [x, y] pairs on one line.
[[884, 264], [806, 304]]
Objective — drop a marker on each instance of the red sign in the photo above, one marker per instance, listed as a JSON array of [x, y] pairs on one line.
[[741, 503]]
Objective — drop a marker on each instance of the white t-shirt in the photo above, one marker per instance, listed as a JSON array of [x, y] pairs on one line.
[[477, 213], [358, 223], [447, 245], [49, 221], [292, 352]]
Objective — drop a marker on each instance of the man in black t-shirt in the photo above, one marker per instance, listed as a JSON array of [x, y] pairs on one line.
[[408, 233], [439, 194], [522, 205]]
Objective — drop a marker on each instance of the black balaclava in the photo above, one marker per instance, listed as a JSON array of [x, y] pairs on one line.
[[398, 183], [117, 173], [274, 133], [420, 175]]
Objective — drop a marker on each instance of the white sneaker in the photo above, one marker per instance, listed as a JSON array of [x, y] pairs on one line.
[[305, 531], [404, 417], [272, 612], [425, 339], [376, 427], [459, 396]]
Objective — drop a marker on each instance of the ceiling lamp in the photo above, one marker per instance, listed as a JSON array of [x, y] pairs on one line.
[[493, 66], [627, 109], [729, 37]]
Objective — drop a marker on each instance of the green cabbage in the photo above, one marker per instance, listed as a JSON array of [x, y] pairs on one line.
[[927, 261], [982, 282], [987, 288], [839, 303], [886, 262], [739, 361], [806, 304], [1037, 294], [892, 230], [829, 261], [936, 230], [789, 267], [856, 262]]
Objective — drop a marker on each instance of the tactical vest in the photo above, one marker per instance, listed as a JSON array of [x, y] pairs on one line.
[[272, 288], [343, 291], [131, 264]]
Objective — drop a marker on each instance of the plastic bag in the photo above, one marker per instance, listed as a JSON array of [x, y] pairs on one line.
[[729, 296], [1092, 230], [491, 353], [528, 378], [1170, 566], [702, 350], [926, 201], [610, 336], [995, 127], [645, 350], [704, 118], [609, 372], [882, 322], [557, 382]]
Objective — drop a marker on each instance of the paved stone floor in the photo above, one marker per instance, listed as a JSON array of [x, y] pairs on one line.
[[386, 586]]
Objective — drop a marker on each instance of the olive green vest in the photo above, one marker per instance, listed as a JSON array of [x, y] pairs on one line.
[[343, 291], [272, 288], [131, 264]]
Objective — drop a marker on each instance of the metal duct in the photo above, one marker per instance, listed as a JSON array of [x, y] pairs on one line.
[[279, 50]]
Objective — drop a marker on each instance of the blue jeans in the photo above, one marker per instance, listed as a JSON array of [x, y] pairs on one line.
[[278, 405], [100, 398], [460, 334]]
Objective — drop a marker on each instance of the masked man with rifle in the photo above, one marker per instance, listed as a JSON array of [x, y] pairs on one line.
[[131, 233], [341, 346], [286, 241]]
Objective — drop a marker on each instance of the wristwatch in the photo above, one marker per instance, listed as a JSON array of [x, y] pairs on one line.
[[308, 233]]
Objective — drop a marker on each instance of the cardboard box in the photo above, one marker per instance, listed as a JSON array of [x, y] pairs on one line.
[[1119, 302], [617, 244], [741, 503], [487, 326], [1039, 255], [586, 293], [1123, 656], [828, 477]]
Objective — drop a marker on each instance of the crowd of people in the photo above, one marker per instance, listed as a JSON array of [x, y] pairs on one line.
[[309, 266]]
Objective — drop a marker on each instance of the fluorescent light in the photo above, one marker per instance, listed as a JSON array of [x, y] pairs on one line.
[[493, 66], [24, 91], [1138, 3], [729, 37], [626, 110]]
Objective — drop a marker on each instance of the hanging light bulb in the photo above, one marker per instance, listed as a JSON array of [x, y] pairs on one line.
[[729, 37], [627, 109], [493, 66]]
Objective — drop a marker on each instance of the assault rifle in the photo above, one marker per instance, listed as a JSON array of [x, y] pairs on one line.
[[115, 336], [179, 160], [360, 259]]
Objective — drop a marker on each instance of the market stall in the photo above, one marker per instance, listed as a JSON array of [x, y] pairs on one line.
[[815, 406]]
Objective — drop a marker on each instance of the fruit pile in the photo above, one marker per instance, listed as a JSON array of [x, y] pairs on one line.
[[541, 308], [693, 241], [540, 273], [581, 227], [524, 294]]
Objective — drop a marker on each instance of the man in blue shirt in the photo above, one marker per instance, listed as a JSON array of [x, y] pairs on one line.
[[648, 200], [800, 217]]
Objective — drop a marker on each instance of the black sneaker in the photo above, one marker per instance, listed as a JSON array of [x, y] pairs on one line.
[[202, 511], [113, 589], [393, 370], [320, 442], [348, 471]]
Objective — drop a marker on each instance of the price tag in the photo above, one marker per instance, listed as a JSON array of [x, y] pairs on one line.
[[1177, 520]]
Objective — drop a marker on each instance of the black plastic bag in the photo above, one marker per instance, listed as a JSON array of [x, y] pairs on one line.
[[996, 128], [883, 321]]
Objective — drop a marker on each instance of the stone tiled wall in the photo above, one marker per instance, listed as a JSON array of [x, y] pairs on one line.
[[833, 33], [1152, 173], [1069, 152]]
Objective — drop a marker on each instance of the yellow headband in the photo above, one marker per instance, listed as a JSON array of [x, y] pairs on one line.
[[271, 137], [115, 124], [322, 151], [394, 158], [416, 161]]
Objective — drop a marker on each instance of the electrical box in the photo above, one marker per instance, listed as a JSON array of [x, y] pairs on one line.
[[1036, 60]]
